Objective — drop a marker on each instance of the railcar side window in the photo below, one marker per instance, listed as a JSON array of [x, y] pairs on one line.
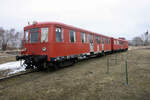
[[34, 35], [91, 38], [88, 37], [26, 34], [103, 40], [72, 36], [44, 34], [59, 34], [122, 43], [117, 42], [97, 39], [83, 37]]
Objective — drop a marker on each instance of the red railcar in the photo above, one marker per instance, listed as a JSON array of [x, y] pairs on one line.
[[51, 42], [119, 44]]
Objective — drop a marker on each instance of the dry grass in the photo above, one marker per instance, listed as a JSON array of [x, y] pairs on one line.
[[7, 59], [85, 80], [7, 56]]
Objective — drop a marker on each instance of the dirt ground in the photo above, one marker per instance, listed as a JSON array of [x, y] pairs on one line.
[[86, 80]]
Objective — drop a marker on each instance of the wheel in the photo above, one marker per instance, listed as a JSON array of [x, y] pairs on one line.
[[28, 65]]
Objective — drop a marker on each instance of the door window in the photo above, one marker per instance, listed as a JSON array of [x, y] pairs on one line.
[[59, 34], [44, 34]]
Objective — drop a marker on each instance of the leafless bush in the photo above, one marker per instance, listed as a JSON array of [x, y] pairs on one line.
[[137, 41], [145, 37], [142, 40]]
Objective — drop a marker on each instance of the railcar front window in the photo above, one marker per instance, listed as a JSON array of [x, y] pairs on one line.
[[26, 36], [34, 35]]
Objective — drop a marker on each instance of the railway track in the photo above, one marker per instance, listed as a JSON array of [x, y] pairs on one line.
[[16, 75]]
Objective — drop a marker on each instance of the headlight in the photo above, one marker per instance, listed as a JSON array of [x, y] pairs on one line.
[[44, 49]]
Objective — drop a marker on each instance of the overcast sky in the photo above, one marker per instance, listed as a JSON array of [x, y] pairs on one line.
[[117, 18]]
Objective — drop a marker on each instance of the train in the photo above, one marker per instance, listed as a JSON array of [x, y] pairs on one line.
[[47, 44]]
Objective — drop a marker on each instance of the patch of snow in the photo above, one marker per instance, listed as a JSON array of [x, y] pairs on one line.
[[15, 67], [16, 70]]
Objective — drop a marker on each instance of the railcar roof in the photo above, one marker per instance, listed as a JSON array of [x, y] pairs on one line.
[[64, 25]]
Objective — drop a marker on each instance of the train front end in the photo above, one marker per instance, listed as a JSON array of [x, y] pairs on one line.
[[35, 46]]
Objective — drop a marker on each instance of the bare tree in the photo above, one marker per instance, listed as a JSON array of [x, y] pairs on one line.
[[10, 38], [137, 41], [5, 39], [20, 39], [2, 31], [145, 38]]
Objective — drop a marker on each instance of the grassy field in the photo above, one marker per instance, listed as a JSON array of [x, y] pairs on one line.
[[86, 80]]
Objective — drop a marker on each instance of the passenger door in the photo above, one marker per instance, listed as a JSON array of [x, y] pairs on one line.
[[97, 47], [91, 47]]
